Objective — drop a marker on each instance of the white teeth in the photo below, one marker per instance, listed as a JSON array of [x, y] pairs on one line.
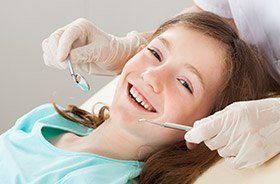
[[139, 99], [134, 92]]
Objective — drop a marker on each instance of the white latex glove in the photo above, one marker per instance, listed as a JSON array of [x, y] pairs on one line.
[[90, 48], [246, 134]]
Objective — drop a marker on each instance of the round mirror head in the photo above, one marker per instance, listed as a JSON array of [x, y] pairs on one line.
[[82, 83]]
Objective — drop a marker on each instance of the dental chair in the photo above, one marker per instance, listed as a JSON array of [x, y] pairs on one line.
[[219, 173]]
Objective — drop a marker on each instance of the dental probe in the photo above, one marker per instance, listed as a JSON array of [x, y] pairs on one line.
[[168, 125]]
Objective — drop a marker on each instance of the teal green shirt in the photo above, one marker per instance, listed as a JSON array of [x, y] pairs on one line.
[[26, 156]]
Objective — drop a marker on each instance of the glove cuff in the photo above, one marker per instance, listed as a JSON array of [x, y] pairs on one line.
[[133, 41], [137, 38], [124, 48]]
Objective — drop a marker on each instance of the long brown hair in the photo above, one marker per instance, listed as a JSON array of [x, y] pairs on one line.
[[245, 79]]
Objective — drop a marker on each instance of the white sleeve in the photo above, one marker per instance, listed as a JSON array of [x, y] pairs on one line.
[[257, 22], [219, 7]]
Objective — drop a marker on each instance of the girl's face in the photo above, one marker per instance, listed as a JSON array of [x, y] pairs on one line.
[[179, 74]]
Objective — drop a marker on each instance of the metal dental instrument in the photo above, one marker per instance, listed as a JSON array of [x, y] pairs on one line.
[[168, 125], [79, 79]]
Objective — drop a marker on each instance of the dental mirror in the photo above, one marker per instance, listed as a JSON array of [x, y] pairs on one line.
[[79, 79]]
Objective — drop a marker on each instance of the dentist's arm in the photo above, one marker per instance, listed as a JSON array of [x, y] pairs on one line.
[[245, 133], [90, 48]]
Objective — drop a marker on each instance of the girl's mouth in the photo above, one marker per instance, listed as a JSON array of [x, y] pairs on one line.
[[137, 104]]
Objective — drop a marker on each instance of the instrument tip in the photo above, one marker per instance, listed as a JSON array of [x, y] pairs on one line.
[[141, 119], [148, 121]]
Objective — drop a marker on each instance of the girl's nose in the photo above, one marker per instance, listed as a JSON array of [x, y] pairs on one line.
[[155, 77]]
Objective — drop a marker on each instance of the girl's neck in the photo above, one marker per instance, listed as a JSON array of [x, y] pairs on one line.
[[111, 141]]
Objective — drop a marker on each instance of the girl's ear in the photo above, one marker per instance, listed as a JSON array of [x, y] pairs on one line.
[[140, 48]]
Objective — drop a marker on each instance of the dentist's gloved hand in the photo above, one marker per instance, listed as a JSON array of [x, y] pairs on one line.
[[91, 49], [246, 134]]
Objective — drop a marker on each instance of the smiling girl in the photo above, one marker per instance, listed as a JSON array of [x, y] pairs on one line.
[[194, 65]]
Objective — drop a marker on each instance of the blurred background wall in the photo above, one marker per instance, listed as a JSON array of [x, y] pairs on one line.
[[25, 80]]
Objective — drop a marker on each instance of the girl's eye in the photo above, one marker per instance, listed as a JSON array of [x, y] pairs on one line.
[[154, 53], [186, 85], [181, 81]]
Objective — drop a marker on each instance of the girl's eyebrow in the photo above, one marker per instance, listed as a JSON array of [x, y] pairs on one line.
[[169, 46], [166, 43]]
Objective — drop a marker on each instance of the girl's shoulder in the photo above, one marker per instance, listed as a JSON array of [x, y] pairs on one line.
[[46, 116], [27, 121]]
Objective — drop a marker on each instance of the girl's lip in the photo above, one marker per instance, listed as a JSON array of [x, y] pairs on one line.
[[133, 102]]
